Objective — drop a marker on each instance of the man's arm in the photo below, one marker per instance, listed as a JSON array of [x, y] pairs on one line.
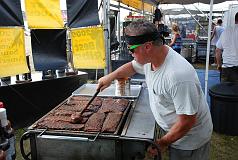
[[218, 58], [178, 130], [213, 33], [126, 70], [173, 40]]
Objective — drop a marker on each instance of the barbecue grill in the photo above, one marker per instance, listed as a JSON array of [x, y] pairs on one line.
[[135, 132]]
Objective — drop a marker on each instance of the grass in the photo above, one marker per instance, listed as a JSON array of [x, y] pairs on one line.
[[18, 134], [224, 147]]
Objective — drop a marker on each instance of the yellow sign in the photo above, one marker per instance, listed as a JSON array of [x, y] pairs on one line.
[[138, 4], [88, 48], [133, 3], [44, 14], [12, 52], [148, 7]]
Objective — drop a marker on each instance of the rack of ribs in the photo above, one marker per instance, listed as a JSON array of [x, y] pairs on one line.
[[111, 122], [95, 122]]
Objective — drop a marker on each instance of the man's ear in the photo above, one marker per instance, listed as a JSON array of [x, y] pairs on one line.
[[148, 45]]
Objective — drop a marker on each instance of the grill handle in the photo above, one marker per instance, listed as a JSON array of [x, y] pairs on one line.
[[159, 157], [24, 137], [68, 138]]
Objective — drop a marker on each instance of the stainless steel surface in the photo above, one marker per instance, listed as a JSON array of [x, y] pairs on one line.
[[140, 123], [65, 149], [88, 90], [67, 137]]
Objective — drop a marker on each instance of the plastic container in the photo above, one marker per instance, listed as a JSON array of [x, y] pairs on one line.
[[224, 108], [3, 117], [122, 87]]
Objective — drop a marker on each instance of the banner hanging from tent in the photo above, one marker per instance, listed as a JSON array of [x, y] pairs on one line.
[[49, 49], [12, 52], [138, 4], [88, 48], [11, 14], [146, 5], [82, 13], [148, 8], [44, 14]]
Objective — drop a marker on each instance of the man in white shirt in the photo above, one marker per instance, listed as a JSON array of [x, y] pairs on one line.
[[176, 98], [216, 33], [227, 48]]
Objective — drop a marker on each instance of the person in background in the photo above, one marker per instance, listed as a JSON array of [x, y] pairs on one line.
[[176, 42], [216, 33], [157, 15], [183, 31], [227, 49], [175, 93], [192, 35]]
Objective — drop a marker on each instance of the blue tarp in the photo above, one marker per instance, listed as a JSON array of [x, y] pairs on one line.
[[213, 78]]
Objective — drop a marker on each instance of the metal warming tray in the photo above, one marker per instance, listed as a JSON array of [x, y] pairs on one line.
[[89, 89], [136, 133]]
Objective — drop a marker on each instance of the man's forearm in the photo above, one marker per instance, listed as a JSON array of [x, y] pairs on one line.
[[125, 70], [178, 130]]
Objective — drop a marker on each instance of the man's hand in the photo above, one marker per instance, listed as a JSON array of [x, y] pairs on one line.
[[219, 68], [104, 82], [162, 145], [152, 151]]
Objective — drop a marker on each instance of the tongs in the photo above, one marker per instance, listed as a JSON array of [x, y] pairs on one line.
[[77, 117], [93, 97]]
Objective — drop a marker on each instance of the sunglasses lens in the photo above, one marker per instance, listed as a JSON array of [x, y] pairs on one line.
[[131, 50]]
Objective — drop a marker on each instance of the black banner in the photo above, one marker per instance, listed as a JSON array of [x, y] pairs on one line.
[[82, 13], [10, 13], [49, 49]]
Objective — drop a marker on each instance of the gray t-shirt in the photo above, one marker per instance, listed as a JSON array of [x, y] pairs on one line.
[[175, 89]]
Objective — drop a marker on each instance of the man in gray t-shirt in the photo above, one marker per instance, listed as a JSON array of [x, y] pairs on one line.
[[176, 98]]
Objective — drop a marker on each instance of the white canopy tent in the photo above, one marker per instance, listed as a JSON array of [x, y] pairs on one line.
[[188, 1], [178, 11]]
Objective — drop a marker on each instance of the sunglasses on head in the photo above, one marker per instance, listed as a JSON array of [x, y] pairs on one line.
[[133, 47]]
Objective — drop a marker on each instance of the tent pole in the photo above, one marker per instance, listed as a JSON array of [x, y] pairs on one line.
[[106, 9], [194, 18], [208, 47], [200, 10], [118, 26]]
